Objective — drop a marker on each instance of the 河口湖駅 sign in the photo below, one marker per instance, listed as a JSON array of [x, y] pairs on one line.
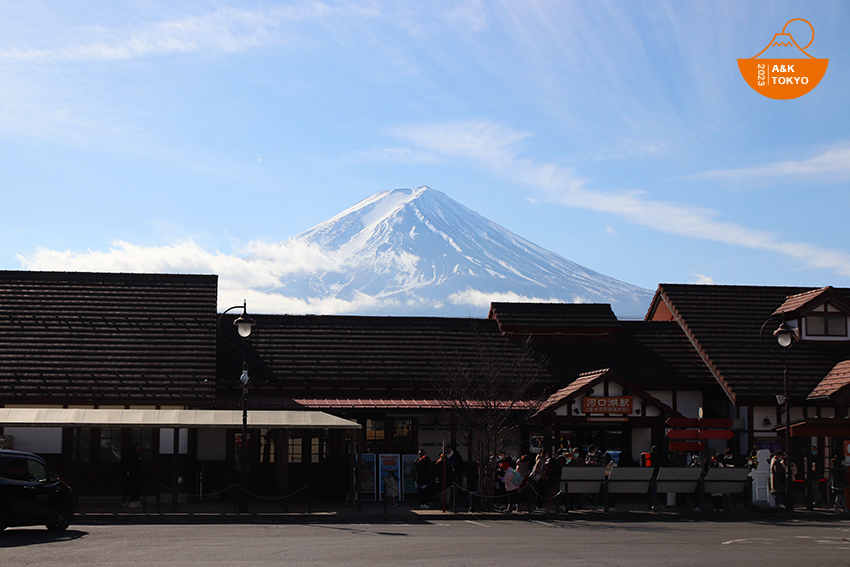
[[615, 404]]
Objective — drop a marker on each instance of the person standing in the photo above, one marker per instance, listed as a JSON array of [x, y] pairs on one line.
[[132, 478], [717, 497], [838, 484], [423, 470], [540, 479], [778, 477], [554, 465], [451, 468]]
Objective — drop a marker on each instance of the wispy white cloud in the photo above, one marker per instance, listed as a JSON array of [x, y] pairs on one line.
[[227, 29], [497, 148], [260, 266], [483, 141], [257, 273], [702, 279], [831, 165]]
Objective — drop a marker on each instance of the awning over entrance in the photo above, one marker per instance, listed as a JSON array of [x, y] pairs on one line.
[[819, 427], [192, 419]]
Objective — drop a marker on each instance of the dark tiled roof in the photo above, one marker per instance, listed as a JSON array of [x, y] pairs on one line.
[[327, 357], [724, 322], [648, 354], [554, 318], [89, 338]]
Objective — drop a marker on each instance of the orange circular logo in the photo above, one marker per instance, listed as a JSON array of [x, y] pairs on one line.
[[783, 69]]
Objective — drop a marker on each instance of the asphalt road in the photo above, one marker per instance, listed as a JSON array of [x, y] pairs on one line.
[[456, 542]]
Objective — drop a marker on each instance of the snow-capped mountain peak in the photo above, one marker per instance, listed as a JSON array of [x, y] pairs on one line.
[[419, 252]]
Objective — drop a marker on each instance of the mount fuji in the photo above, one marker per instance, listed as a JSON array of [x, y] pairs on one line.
[[419, 252]]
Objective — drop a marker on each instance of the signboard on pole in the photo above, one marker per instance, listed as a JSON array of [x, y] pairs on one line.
[[699, 434], [687, 446], [699, 423], [408, 477], [367, 471]]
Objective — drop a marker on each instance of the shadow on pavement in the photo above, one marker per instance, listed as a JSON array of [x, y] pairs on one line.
[[19, 537]]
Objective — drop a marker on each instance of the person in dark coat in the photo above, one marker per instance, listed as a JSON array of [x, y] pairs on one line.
[[838, 484], [132, 478], [423, 470]]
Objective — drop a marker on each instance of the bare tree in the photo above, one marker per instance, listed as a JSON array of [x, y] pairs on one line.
[[490, 386]]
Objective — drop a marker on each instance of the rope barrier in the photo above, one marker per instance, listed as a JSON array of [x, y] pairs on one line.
[[201, 496], [273, 498], [232, 487]]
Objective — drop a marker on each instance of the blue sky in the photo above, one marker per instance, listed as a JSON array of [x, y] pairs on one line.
[[182, 137]]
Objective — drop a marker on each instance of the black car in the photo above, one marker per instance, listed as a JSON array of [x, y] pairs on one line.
[[31, 495]]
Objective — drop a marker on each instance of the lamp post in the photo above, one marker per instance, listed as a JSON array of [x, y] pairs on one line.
[[785, 336], [243, 325]]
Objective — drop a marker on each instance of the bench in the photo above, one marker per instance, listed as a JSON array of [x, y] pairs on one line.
[[629, 480], [676, 480], [726, 480], [581, 480]]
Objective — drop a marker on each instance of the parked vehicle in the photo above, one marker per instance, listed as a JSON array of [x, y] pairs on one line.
[[32, 495]]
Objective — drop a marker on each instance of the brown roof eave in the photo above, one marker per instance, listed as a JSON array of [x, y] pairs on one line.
[[696, 344]]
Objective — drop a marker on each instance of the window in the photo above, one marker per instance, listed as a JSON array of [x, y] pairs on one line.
[[144, 437], [295, 450], [318, 449], [37, 471], [110, 445], [23, 470], [826, 321], [403, 436], [81, 449], [268, 452], [375, 436]]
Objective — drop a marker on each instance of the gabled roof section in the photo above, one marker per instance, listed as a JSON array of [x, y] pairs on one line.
[[97, 338], [590, 379], [799, 304], [835, 385], [652, 355], [723, 323], [580, 321]]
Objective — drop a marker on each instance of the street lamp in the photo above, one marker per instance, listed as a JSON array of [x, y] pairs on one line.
[[785, 336], [243, 325]]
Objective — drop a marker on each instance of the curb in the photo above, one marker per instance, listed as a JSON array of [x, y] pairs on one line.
[[376, 514]]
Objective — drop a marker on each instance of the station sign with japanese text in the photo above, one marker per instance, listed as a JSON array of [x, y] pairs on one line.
[[615, 404]]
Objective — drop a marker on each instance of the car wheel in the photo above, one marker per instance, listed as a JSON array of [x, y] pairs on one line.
[[62, 519]]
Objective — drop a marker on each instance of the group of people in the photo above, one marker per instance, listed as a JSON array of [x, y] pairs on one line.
[[528, 483], [782, 469], [449, 469], [534, 481]]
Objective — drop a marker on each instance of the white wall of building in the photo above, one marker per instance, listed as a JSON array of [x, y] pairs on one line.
[[41, 440]]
